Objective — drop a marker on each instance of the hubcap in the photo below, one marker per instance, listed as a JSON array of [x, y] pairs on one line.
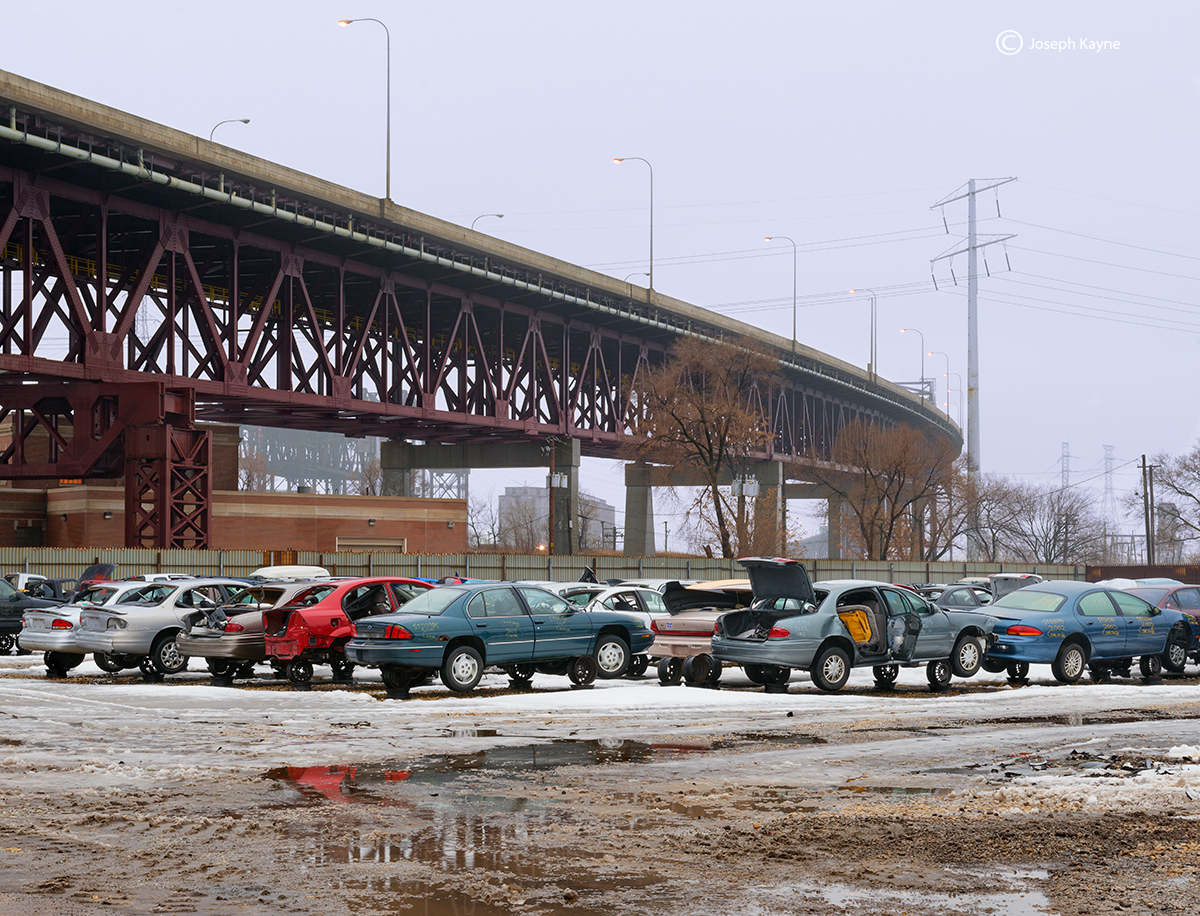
[[611, 656], [834, 669], [1073, 663], [464, 669], [1177, 652], [170, 655], [968, 656]]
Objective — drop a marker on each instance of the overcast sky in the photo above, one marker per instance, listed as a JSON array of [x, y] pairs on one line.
[[837, 124]]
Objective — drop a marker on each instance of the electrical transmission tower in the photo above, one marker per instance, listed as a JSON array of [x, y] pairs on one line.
[[1066, 465], [1108, 506]]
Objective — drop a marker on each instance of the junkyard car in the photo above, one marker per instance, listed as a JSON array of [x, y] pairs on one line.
[[141, 627], [1184, 598], [646, 604], [683, 639], [52, 630], [230, 637], [314, 625], [1077, 626], [961, 598], [832, 627], [459, 630], [13, 606]]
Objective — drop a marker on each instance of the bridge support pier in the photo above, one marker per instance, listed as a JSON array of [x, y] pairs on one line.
[[639, 509], [834, 502], [560, 456]]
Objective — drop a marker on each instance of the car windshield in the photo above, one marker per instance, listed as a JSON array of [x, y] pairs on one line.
[[1028, 599], [93, 594], [311, 596], [7, 591], [433, 602], [1153, 595]]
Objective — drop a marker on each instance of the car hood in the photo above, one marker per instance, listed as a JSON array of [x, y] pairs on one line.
[[778, 579], [679, 598]]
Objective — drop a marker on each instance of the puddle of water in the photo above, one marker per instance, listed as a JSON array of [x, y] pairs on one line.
[[877, 899]]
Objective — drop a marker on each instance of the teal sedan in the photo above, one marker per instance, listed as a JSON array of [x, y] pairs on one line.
[[459, 630], [1078, 626]]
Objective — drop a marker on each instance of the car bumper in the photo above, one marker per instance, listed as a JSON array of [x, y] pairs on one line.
[[244, 648], [1015, 649], [49, 641], [115, 642], [376, 652], [790, 654]]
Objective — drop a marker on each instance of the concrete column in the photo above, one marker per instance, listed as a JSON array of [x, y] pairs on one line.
[[564, 461], [769, 507], [639, 511]]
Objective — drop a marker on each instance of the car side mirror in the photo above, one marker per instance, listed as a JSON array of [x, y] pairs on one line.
[[1155, 611]]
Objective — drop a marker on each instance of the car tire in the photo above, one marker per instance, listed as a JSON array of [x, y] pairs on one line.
[[582, 670], [107, 663], [967, 656], [220, 667], [1017, 671], [1175, 653], [939, 674], [245, 670], [520, 671], [670, 671], [6, 643], [696, 669], [755, 673], [1069, 664], [462, 669], [299, 671], [638, 665], [991, 666], [885, 675], [831, 669], [165, 656], [1150, 665], [395, 677], [612, 656], [342, 669], [62, 661]]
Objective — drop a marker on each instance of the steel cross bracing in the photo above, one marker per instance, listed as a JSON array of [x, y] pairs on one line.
[[101, 287]]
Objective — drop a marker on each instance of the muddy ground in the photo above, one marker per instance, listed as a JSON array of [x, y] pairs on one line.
[[796, 814]]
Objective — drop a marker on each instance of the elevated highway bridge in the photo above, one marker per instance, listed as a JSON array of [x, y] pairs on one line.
[[153, 279]]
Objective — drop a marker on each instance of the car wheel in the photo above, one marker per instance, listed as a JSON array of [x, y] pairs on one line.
[[967, 656], [246, 669], [395, 677], [299, 671], [6, 643], [612, 656], [62, 661], [1017, 671], [1098, 673], [714, 674], [106, 662], [831, 670], [885, 675], [776, 675], [165, 655], [697, 669], [638, 665], [1174, 657], [462, 669], [520, 671], [992, 666], [342, 669], [582, 670], [1068, 666], [219, 667], [670, 671], [1151, 665], [939, 674], [755, 673], [555, 668]]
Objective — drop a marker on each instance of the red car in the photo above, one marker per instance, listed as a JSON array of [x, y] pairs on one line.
[[318, 622], [1184, 598]]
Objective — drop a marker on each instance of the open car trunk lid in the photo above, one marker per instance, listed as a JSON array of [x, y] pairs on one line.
[[678, 598], [777, 577]]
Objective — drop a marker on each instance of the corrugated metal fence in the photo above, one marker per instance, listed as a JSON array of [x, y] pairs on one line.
[[65, 562]]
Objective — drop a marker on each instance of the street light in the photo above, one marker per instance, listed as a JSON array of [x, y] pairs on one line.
[[485, 216], [651, 168], [873, 372], [958, 389], [922, 336], [638, 273], [227, 121], [345, 22], [771, 238], [947, 357]]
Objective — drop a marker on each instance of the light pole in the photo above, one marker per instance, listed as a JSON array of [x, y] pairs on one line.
[[485, 216], [947, 376], [388, 171], [873, 371], [665, 542], [638, 273], [922, 336], [227, 121], [769, 238], [651, 168], [959, 390]]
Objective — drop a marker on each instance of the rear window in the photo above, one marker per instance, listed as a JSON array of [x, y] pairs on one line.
[[1029, 599], [434, 601]]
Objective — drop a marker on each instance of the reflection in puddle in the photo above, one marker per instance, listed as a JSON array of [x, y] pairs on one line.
[[881, 899]]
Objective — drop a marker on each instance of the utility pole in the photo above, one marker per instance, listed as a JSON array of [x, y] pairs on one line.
[[665, 541], [1148, 507]]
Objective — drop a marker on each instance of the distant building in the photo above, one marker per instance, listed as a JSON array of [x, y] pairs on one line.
[[523, 514]]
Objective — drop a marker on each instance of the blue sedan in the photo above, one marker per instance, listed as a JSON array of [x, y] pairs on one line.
[[1074, 626], [459, 630]]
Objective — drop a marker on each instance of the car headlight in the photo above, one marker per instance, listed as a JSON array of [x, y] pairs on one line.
[[115, 623]]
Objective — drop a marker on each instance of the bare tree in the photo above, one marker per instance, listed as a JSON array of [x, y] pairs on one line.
[[1177, 489], [253, 472], [886, 478], [702, 410], [483, 525], [1054, 525], [523, 527]]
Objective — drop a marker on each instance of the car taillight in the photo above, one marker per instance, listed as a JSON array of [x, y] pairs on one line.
[[654, 625], [60, 624], [778, 633], [395, 631], [1022, 629], [231, 627]]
